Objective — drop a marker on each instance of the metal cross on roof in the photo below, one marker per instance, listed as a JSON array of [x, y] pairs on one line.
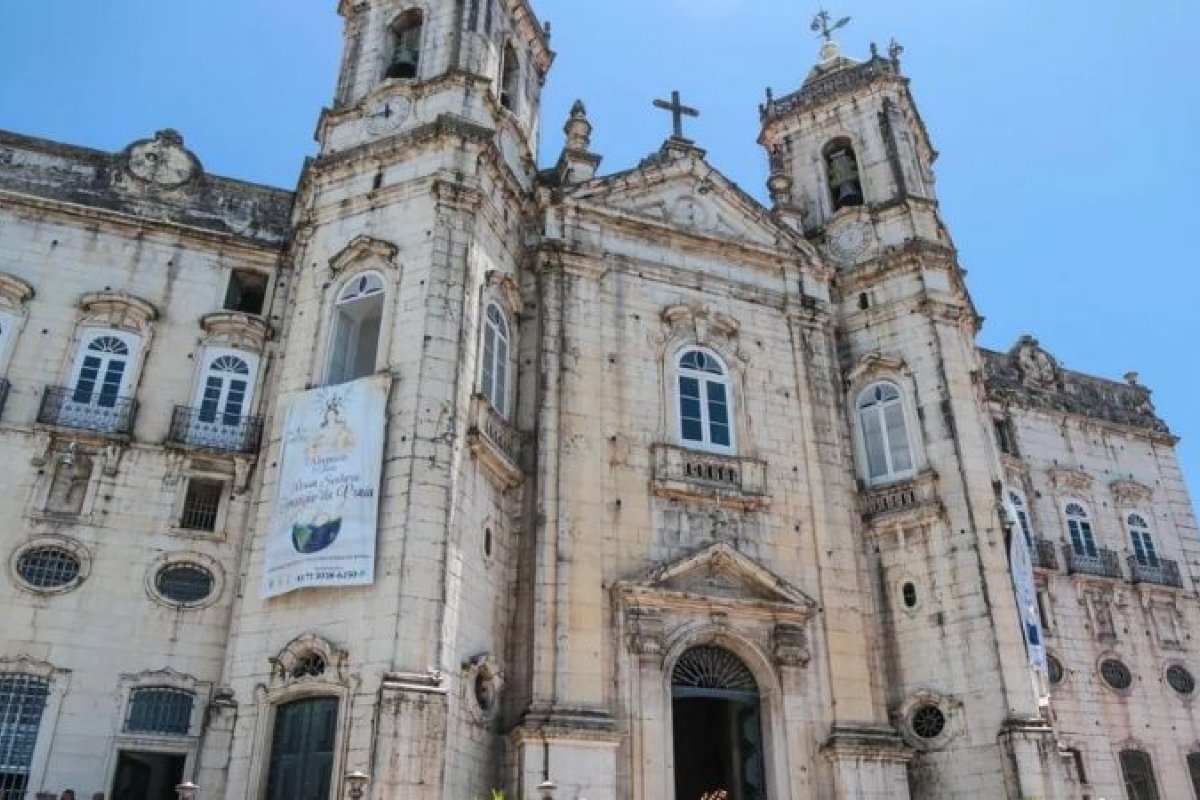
[[678, 112], [824, 27]]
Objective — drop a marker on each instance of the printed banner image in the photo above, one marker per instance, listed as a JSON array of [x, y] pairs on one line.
[[323, 524]]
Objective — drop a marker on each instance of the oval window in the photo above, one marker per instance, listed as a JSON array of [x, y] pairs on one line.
[[48, 567], [1180, 679], [1116, 674], [184, 583], [1054, 670], [910, 595]]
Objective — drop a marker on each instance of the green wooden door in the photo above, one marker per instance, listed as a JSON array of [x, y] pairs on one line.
[[302, 750]]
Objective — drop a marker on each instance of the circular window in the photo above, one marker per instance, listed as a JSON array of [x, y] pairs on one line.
[[184, 583], [928, 722], [1180, 679], [48, 567], [1116, 674], [1054, 669], [910, 595]]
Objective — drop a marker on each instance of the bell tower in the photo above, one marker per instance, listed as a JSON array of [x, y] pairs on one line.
[[851, 166]]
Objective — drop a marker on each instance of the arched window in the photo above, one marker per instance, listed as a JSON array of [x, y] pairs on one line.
[[510, 78], [1138, 774], [1019, 508], [302, 749], [841, 171], [1143, 543], [406, 45], [225, 393], [704, 402], [103, 370], [884, 431], [358, 317], [493, 379], [1079, 526]]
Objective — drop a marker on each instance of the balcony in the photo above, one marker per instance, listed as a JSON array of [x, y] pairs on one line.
[[693, 474], [915, 497], [496, 442], [3, 393], [193, 427], [99, 412], [1103, 562], [1044, 555], [1163, 573]]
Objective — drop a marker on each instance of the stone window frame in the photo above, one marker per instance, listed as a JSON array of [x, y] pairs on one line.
[[1136, 745], [870, 370], [1088, 517], [118, 313], [60, 683], [951, 709], [363, 254], [727, 379], [1066, 671], [1145, 529], [15, 295], [1187, 699], [221, 526], [391, 32], [282, 689], [180, 558], [819, 158], [1109, 655], [510, 82], [187, 746], [76, 548], [496, 299], [104, 461], [208, 354]]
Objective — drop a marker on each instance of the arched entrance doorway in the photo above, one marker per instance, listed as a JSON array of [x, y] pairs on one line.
[[717, 722]]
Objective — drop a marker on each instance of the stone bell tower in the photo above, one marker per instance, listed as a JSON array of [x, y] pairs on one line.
[[404, 266], [851, 167]]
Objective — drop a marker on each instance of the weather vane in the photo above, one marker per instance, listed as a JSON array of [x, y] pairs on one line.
[[821, 24]]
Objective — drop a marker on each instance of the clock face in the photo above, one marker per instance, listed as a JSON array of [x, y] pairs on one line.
[[161, 161], [850, 242], [385, 116]]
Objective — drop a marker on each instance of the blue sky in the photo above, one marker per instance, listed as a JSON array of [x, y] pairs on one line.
[[1068, 130]]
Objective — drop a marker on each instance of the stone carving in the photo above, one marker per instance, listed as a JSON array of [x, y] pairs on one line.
[[790, 645], [645, 631], [1166, 622], [1071, 480], [69, 484], [1037, 366], [163, 160], [1129, 492]]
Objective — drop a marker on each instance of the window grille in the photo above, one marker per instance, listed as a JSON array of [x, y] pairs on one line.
[[22, 701], [184, 583], [48, 567], [928, 722], [1116, 674], [1180, 679], [160, 710], [712, 668], [1138, 773], [201, 504]]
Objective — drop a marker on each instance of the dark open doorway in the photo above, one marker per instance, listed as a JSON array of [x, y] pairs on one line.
[[147, 776], [718, 728]]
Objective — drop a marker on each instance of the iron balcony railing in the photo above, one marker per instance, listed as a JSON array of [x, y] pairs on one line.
[[196, 427], [1163, 572], [96, 411], [1100, 561], [3, 393], [1044, 555]]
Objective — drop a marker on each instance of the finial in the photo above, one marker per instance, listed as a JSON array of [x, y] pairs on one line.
[[822, 26], [1131, 378], [874, 50], [895, 49], [578, 128]]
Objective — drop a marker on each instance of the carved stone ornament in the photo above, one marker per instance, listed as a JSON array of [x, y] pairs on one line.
[[118, 310], [364, 248], [14, 292], [309, 658], [162, 161], [1071, 480], [645, 631], [790, 645], [699, 324], [1129, 492], [236, 330], [1038, 368], [849, 243]]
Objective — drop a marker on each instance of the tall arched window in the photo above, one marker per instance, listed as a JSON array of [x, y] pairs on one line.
[[406, 45], [1079, 526], [1138, 774], [104, 369], [493, 379], [225, 392], [302, 749], [704, 401], [1143, 542], [884, 431], [1019, 508], [841, 171], [510, 78], [358, 317]]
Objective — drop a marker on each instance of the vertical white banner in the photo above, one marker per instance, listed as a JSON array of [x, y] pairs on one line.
[[327, 498], [1020, 560]]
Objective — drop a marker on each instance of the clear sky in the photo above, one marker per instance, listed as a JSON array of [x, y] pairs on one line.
[[1068, 130]]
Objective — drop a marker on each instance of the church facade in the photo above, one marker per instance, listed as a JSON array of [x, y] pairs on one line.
[[670, 494]]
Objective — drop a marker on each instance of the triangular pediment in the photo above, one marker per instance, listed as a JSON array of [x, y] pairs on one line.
[[679, 189], [720, 573]]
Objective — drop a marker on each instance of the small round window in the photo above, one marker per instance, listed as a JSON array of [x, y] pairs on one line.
[[186, 584], [48, 567], [1054, 669], [1116, 674], [928, 722], [1180, 679]]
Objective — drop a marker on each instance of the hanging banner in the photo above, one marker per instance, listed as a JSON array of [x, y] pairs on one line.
[[1020, 560], [327, 499]]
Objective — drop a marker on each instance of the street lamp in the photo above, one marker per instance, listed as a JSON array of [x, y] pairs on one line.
[[547, 789], [358, 781], [187, 791]]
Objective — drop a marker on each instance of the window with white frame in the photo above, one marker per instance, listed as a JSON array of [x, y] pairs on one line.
[[103, 371], [494, 378], [1143, 542], [8, 325], [22, 701], [1079, 526], [357, 321], [704, 401], [1019, 508], [227, 387], [884, 430]]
